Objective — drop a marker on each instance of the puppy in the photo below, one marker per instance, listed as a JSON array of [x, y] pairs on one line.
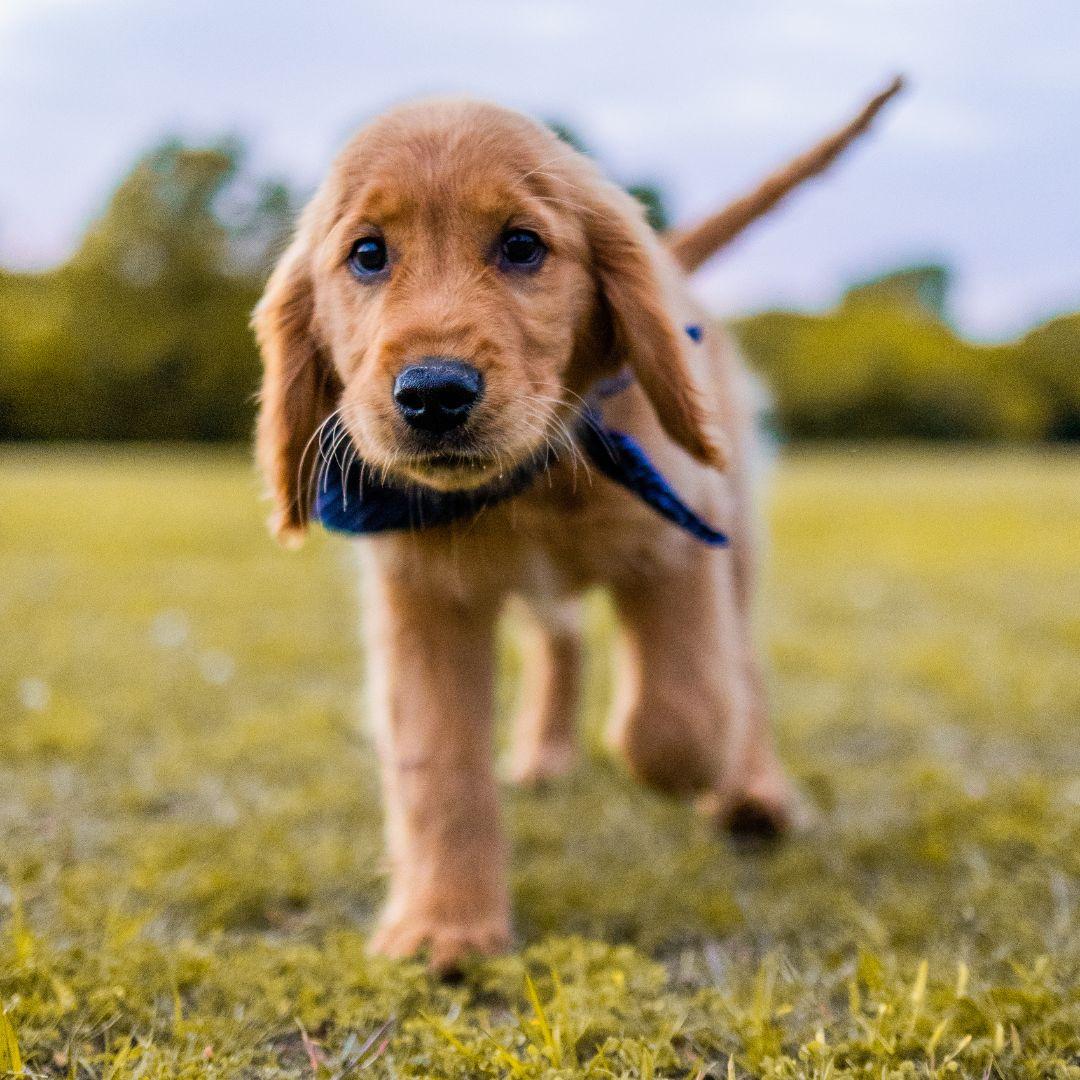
[[465, 303]]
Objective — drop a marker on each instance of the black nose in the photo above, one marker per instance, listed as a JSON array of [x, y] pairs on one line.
[[437, 395]]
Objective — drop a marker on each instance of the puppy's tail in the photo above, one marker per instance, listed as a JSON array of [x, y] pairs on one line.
[[692, 246]]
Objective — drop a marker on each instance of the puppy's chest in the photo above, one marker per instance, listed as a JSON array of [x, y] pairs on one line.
[[557, 539]]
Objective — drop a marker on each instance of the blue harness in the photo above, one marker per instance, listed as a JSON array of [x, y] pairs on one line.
[[352, 499]]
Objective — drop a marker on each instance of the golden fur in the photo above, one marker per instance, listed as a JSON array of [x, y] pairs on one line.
[[441, 180]]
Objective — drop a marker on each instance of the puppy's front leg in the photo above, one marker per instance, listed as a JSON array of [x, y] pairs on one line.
[[431, 664], [692, 719]]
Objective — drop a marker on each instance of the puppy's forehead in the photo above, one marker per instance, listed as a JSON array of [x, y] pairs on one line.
[[451, 153]]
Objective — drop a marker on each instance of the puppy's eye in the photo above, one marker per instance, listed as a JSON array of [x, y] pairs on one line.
[[521, 248], [368, 256]]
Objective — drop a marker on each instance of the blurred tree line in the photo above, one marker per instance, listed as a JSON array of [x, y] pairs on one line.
[[886, 364], [143, 333]]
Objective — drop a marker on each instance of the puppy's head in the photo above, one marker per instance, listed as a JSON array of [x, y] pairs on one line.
[[457, 283]]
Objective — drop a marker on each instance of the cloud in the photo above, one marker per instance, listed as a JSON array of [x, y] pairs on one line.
[[702, 97]]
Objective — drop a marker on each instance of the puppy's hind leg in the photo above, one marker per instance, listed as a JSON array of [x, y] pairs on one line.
[[545, 736]]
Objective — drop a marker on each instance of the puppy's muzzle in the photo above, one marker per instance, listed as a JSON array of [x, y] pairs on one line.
[[437, 395]]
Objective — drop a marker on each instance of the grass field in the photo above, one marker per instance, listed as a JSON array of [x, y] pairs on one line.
[[189, 820]]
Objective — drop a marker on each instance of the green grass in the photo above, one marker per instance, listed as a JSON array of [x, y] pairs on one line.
[[189, 821]]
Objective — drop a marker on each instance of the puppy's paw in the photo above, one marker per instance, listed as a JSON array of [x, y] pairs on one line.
[[541, 765], [761, 810], [447, 944]]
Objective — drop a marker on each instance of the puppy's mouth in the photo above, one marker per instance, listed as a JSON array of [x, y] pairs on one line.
[[466, 462], [449, 470], [470, 467]]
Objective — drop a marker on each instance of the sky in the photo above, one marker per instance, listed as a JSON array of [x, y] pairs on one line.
[[977, 165]]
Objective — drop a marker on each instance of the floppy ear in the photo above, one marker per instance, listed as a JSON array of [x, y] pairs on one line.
[[629, 266], [297, 392]]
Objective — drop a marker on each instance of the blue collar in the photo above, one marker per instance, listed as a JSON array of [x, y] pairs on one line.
[[352, 499]]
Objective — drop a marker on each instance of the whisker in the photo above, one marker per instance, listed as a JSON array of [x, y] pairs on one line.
[[570, 152], [547, 407], [300, 485], [555, 176], [321, 475], [575, 206], [340, 437]]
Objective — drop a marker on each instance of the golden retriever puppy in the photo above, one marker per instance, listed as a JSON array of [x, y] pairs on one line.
[[469, 321]]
